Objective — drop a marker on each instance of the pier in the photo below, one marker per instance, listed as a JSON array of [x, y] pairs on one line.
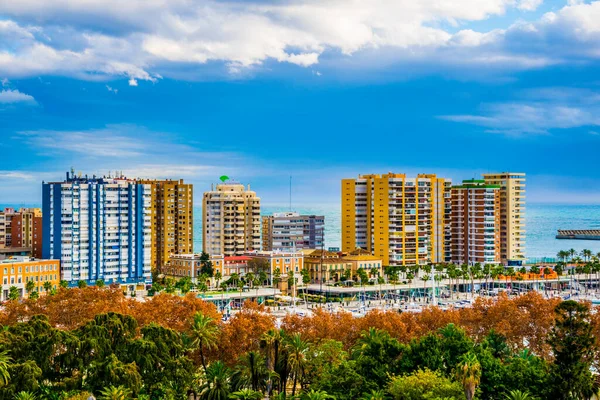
[[583, 234]]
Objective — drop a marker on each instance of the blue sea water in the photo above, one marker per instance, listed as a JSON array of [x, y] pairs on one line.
[[542, 222]]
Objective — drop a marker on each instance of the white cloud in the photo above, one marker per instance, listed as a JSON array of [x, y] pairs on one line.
[[134, 39], [540, 111], [132, 82], [111, 89], [9, 96]]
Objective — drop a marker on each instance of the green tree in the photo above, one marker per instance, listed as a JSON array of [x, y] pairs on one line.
[[469, 374], [115, 393], [29, 286], [34, 295], [204, 334], [218, 277], [374, 395], [185, 284], [250, 372], [47, 286], [206, 266], [572, 344], [424, 384], [100, 283], [81, 284], [64, 284], [297, 349], [14, 293], [216, 382], [4, 368]]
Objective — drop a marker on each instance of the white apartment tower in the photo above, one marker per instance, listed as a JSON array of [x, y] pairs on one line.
[[100, 228], [230, 220]]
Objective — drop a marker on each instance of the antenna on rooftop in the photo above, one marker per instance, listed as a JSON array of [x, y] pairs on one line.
[[290, 193]]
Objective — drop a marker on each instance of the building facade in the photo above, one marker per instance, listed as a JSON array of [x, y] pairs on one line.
[[99, 228], [327, 266], [512, 214], [6, 217], [17, 271], [475, 223], [291, 231], [190, 265], [172, 214], [230, 220], [284, 263], [400, 220], [26, 230]]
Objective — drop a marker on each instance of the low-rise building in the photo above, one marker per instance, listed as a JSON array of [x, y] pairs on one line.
[[17, 271], [327, 266], [190, 265], [283, 263]]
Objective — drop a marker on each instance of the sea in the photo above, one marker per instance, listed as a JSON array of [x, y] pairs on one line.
[[542, 222]]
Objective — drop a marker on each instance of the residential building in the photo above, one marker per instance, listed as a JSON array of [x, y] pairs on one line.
[[290, 231], [400, 220], [230, 220], [182, 265], [326, 266], [17, 271], [512, 214], [99, 228], [475, 223], [6, 217], [284, 263], [172, 206], [26, 230]]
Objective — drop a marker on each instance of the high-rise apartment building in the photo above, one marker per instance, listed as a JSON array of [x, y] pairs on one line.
[[401, 220], [26, 230], [230, 220], [290, 231], [172, 205], [512, 214], [100, 228], [475, 223]]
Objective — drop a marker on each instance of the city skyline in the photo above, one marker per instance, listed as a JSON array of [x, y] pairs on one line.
[[316, 92]]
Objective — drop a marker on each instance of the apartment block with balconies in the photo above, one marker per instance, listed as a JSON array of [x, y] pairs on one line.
[[230, 220], [99, 228], [512, 214], [399, 219]]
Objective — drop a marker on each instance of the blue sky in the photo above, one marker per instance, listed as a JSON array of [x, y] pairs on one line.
[[317, 90]]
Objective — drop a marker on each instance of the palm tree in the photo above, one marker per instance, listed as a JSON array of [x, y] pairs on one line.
[[47, 286], [315, 395], [562, 254], [25, 396], [270, 343], [535, 270], [586, 254], [572, 253], [4, 365], [216, 383], [29, 286], [246, 394], [469, 374], [115, 393], [297, 349], [518, 395], [250, 372], [203, 335]]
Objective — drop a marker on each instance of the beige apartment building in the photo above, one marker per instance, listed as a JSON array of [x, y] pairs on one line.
[[512, 214], [172, 204], [475, 223], [230, 220], [399, 219]]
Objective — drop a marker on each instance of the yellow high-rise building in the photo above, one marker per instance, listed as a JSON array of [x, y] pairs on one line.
[[230, 220], [512, 213], [401, 220], [172, 204]]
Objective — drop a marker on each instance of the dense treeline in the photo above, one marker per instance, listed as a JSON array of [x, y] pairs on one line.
[[91, 340]]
